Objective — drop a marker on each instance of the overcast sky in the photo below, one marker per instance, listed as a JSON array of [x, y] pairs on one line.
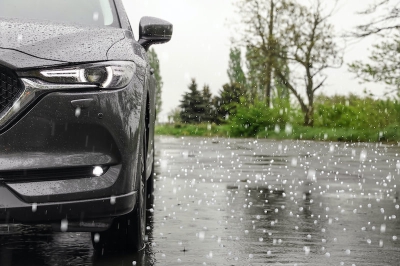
[[201, 40]]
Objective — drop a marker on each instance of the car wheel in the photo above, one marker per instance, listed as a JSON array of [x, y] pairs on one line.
[[127, 231]]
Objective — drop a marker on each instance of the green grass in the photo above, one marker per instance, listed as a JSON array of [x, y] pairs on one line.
[[388, 134], [200, 130]]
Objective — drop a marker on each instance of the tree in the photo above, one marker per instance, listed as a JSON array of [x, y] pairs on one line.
[[208, 106], [384, 66], [301, 36], [261, 18], [282, 93], [235, 71], [254, 73], [155, 65], [174, 115], [229, 97], [385, 17], [385, 57], [310, 47], [193, 106]]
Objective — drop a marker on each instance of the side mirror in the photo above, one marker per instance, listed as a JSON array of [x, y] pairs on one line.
[[153, 31]]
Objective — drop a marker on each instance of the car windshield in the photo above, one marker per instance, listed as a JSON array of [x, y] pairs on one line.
[[89, 12]]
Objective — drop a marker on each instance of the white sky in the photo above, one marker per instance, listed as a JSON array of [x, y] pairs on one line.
[[201, 40]]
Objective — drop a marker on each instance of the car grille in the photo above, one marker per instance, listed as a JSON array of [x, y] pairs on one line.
[[48, 174], [10, 89]]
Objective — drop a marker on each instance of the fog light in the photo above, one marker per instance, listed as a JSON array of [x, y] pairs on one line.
[[97, 171]]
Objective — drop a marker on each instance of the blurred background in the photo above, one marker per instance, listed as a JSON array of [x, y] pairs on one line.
[[202, 41]]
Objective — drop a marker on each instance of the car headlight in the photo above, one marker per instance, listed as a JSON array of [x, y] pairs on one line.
[[107, 75]]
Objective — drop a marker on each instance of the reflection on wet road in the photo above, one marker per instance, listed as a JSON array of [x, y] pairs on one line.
[[249, 202]]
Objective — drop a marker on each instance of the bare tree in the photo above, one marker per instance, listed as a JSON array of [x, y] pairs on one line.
[[384, 62], [384, 66], [300, 35], [384, 18], [261, 20], [310, 47]]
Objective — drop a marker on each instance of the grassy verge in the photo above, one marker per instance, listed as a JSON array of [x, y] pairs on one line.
[[200, 130], [388, 134]]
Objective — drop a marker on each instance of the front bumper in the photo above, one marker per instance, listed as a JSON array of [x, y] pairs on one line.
[[51, 135], [81, 215]]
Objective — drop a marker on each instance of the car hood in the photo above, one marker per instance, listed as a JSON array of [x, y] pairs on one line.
[[63, 43]]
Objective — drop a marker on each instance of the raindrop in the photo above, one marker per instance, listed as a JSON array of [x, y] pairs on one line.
[[363, 155], [202, 235], [311, 175], [288, 129], [306, 250], [77, 111], [327, 254], [64, 225], [34, 207], [383, 228], [331, 148], [19, 38], [348, 252], [277, 129], [16, 106], [112, 200], [96, 18], [96, 238]]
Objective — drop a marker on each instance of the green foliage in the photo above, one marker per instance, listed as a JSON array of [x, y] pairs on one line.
[[174, 115], [338, 118], [225, 103], [255, 81], [388, 134], [195, 105], [208, 104], [249, 120], [155, 64], [383, 66], [356, 113], [235, 71], [201, 130], [280, 35]]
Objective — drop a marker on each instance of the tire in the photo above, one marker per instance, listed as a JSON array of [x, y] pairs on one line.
[[127, 231], [150, 181]]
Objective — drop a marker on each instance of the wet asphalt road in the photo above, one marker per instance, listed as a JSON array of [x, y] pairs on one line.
[[249, 202]]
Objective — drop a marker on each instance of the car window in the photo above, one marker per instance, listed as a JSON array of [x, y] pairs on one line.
[[88, 12]]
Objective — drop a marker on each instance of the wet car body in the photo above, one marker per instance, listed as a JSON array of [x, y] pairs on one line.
[[54, 136]]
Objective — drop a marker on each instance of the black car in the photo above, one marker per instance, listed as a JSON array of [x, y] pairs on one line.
[[77, 113]]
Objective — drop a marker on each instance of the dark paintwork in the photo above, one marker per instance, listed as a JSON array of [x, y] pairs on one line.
[[48, 134], [154, 30], [52, 41]]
